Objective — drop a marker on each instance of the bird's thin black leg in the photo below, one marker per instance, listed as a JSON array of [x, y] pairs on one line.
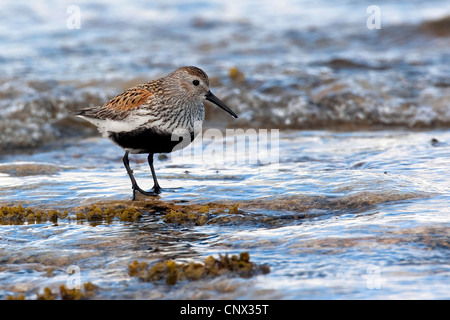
[[156, 188], [126, 163], [134, 184]]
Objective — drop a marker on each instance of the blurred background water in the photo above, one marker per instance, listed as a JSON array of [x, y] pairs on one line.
[[363, 117]]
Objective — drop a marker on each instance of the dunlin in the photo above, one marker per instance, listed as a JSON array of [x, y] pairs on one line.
[[155, 117]]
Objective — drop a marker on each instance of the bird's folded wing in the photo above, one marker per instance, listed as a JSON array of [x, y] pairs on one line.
[[118, 107], [128, 100]]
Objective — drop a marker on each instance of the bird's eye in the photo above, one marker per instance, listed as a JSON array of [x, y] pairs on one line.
[[195, 82]]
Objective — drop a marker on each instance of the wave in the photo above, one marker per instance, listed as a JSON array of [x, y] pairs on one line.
[[309, 73], [35, 113]]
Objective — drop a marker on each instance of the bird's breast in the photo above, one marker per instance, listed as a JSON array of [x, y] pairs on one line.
[[178, 119]]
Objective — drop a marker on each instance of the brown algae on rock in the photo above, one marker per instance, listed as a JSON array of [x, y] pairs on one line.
[[17, 297], [236, 75], [20, 215], [179, 217], [88, 290], [200, 215], [97, 214], [234, 209], [171, 272], [29, 169], [292, 207]]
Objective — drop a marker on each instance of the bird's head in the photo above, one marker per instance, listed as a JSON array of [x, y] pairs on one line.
[[193, 83]]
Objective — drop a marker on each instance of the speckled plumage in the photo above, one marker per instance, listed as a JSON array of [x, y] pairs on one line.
[[156, 116], [165, 105]]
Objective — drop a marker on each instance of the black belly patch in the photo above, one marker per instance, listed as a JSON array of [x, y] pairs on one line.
[[150, 141]]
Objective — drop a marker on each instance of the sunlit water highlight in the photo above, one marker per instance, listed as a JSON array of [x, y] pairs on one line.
[[354, 215], [356, 204]]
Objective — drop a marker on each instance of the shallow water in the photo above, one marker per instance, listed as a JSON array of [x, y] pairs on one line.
[[350, 201], [315, 65], [342, 215]]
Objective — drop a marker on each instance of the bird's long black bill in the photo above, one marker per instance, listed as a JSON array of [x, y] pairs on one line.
[[210, 97]]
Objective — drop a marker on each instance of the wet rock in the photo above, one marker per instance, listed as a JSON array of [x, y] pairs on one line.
[[434, 142], [439, 28], [29, 169]]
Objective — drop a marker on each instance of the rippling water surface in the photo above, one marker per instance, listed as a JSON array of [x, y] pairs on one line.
[[351, 203], [343, 215]]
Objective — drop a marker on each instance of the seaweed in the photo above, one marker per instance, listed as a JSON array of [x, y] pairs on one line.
[[236, 75], [87, 291], [18, 297], [224, 212], [20, 215], [202, 215], [179, 217], [125, 211], [97, 214], [171, 272]]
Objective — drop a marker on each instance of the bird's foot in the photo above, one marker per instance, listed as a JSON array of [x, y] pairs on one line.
[[153, 192]]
